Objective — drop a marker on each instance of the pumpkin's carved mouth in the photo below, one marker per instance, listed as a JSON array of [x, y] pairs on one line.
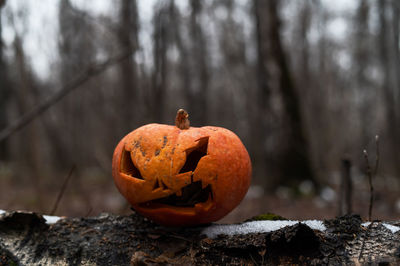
[[187, 196], [194, 193], [191, 195]]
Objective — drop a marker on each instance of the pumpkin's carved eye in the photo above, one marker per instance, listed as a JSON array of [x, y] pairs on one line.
[[193, 155], [127, 166]]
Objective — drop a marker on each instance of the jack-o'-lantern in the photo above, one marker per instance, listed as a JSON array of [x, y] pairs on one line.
[[181, 175]]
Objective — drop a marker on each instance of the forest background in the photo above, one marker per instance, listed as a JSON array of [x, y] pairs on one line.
[[306, 85]]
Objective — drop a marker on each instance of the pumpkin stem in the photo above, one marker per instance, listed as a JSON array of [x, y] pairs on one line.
[[181, 119]]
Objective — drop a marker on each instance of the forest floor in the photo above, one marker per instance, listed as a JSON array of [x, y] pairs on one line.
[[91, 196]]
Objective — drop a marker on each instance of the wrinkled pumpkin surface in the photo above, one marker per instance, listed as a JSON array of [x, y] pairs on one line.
[[182, 176]]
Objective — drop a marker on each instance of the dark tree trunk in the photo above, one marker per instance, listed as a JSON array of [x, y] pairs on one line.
[[296, 159], [361, 62], [388, 91], [396, 61], [304, 23], [259, 110], [128, 39], [77, 51], [161, 24], [184, 59], [197, 93], [29, 141], [4, 92]]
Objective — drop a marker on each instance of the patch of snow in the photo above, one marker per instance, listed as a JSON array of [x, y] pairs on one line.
[[315, 225], [49, 219], [257, 227], [392, 228]]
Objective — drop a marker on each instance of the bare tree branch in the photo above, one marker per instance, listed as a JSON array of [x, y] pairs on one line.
[[92, 71], [62, 190]]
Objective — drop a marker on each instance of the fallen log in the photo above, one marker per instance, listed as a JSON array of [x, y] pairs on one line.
[[29, 239]]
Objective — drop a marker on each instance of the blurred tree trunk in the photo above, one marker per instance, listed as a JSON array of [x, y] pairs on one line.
[[304, 23], [259, 109], [197, 93], [361, 62], [296, 162], [312, 99], [70, 64], [236, 84], [396, 59], [29, 142], [128, 39], [396, 39], [161, 36], [322, 42], [4, 91], [77, 52], [387, 85], [184, 59]]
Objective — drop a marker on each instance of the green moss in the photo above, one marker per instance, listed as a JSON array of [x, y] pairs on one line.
[[266, 217], [12, 263]]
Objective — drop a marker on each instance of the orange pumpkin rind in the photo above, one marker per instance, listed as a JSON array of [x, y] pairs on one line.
[[181, 175]]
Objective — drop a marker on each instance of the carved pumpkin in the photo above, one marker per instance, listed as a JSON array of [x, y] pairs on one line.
[[181, 175]]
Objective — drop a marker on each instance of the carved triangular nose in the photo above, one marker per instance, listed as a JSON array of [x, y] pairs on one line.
[[160, 184]]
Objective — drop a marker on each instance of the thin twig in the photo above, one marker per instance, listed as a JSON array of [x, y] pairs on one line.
[[377, 155], [62, 190], [89, 211], [92, 71], [371, 187], [372, 174]]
